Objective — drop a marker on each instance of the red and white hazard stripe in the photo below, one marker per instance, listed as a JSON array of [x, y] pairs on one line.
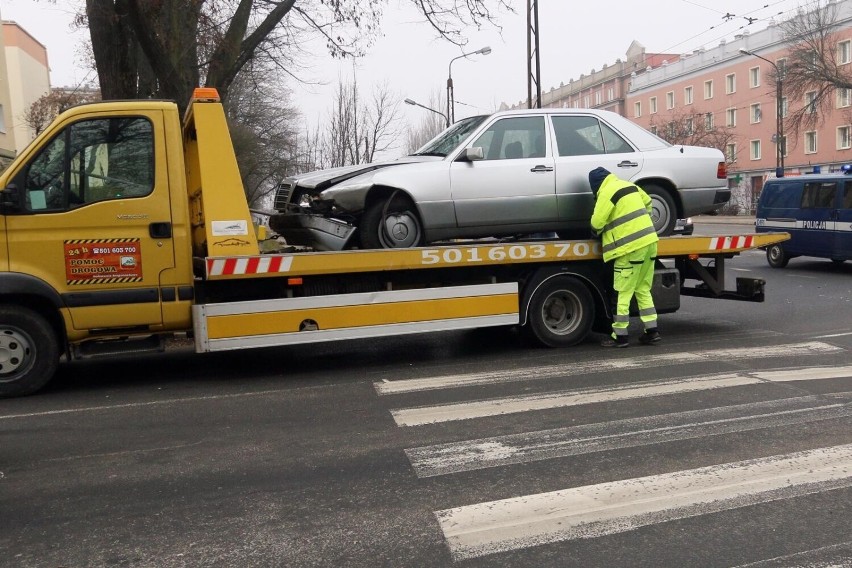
[[721, 243], [248, 265]]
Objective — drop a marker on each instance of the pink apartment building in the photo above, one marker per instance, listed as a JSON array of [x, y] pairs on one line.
[[723, 87]]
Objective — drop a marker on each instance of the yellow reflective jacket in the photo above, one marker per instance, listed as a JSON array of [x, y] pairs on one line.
[[622, 217]]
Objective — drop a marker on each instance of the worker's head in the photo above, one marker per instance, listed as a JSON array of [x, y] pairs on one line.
[[596, 177]]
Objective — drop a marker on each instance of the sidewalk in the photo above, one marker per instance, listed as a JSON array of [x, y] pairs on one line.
[[724, 219]]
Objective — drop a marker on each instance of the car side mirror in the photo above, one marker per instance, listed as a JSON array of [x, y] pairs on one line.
[[473, 154], [10, 198]]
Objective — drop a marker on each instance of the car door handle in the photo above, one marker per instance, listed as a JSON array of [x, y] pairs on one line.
[[542, 169], [628, 164]]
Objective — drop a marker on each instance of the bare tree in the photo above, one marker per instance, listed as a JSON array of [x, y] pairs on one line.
[[693, 128], [263, 134], [47, 107], [166, 48], [812, 72], [357, 131]]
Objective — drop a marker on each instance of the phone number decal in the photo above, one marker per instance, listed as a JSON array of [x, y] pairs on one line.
[[511, 253], [103, 261]]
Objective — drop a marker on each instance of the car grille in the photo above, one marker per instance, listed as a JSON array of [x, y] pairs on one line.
[[282, 196]]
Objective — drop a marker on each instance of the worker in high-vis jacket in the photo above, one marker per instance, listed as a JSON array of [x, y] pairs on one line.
[[622, 218]]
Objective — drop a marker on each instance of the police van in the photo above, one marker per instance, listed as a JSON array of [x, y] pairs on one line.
[[816, 209]]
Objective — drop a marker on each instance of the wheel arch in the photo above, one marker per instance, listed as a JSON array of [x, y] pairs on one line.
[[590, 276], [36, 294], [668, 186], [380, 191]]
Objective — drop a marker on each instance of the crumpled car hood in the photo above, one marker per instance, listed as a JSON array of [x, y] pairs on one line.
[[323, 179]]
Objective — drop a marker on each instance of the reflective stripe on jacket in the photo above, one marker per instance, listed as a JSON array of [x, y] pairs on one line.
[[622, 215]]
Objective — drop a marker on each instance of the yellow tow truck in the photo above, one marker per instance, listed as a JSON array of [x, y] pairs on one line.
[[123, 224]]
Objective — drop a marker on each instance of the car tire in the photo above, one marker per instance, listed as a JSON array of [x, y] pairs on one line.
[[561, 312], [29, 351], [663, 209], [391, 222], [776, 256]]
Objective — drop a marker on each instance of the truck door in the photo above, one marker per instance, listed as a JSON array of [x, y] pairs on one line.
[[815, 221], [843, 223], [93, 218]]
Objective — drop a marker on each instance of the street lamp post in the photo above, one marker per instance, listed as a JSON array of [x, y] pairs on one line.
[[441, 114], [779, 120], [451, 107]]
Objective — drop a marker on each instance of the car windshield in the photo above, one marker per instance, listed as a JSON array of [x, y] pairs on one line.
[[449, 139]]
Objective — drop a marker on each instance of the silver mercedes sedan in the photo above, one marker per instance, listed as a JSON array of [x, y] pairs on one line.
[[512, 173]]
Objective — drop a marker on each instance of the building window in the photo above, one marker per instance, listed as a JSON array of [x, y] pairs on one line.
[[844, 138], [670, 100], [755, 113], [810, 142], [637, 109], [652, 105], [610, 94], [810, 102], [708, 89], [687, 95], [586, 101], [708, 121], [689, 126], [754, 77], [844, 97], [654, 130], [731, 153], [598, 97], [730, 83], [731, 117], [672, 130], [784, 107], [844, 52], [755, 149]]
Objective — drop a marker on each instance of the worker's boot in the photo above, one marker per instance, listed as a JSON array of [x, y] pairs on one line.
[[650, 337], [618, 341]]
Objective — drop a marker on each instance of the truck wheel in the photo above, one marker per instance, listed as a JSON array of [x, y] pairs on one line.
[[776, 256], [391, 223], [29, 351], [561, 312], [663, 209]]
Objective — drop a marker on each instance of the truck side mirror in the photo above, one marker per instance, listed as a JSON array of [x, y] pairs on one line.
[[10, 198]]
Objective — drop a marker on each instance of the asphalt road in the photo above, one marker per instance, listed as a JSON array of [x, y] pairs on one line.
[[727, 445]]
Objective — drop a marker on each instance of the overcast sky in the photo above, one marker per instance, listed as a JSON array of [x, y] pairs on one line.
[[575, 37]]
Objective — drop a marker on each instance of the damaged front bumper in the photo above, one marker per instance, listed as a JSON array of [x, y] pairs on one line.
[[314, 231]]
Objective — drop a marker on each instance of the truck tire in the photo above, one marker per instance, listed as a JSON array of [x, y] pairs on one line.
[[663, 209], [561, 312], [776, 256], [29, 351], [391, 222]]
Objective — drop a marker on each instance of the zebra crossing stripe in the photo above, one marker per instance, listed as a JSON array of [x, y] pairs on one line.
[[469, 455], [835, 556], [416, 416], [602, 366], [619, 506]]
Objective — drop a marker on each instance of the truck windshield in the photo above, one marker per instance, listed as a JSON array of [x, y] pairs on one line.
[[449, 139]]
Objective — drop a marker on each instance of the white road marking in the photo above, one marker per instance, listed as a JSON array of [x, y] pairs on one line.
[[619, 506], [834, 335], [417, 416], [836, 556], [469, 455], [602, 366]]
